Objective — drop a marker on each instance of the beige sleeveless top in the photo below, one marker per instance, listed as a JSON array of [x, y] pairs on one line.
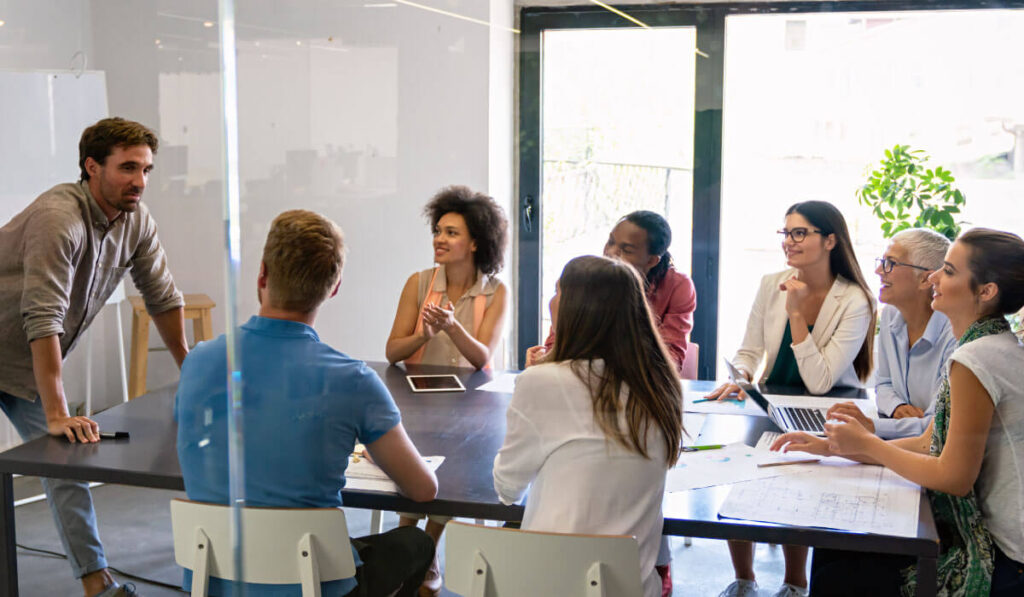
[[440, 350]]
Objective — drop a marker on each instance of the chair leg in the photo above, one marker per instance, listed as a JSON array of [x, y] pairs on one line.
[[376, 526], [309, 569], [201, 564], [140, 354], [120, 354], [687, 541]]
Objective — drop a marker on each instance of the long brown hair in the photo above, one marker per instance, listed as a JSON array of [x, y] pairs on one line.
[[603, 314], [843, 261]]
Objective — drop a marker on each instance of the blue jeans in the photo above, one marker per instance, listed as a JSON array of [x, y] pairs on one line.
[[70, 501]]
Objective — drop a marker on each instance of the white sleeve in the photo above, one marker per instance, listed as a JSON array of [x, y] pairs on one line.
[[821, 368], [522, 454]]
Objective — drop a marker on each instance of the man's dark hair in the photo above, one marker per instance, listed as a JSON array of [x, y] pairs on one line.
[[485, 221], [99, 140]]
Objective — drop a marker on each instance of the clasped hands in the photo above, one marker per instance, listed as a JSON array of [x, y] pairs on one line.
[[437, 318], [848, 432]]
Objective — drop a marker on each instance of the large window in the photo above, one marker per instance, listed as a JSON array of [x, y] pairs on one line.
[[791, 102], [813, 100]]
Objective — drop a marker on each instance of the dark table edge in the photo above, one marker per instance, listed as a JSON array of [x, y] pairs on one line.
[[720, 529]]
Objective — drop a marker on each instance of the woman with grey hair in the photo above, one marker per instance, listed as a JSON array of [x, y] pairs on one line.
[[914, 342]]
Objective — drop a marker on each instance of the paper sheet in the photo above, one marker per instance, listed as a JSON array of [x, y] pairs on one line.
[[502, 383], [728, 407], [847, 496], [732, 464], [365, 475]]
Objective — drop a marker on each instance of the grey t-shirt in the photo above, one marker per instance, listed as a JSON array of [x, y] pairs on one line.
[[60, 259], [997, 361]]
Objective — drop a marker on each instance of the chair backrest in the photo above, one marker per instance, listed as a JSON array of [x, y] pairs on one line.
[[497, 562], [280, 545], [690, 362]]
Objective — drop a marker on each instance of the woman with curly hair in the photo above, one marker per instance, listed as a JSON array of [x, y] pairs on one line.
[[452, 314]]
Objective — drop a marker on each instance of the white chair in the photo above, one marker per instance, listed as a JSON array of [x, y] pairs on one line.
[[498, 562], [304, 546]]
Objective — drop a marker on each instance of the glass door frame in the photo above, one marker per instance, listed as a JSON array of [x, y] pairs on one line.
[[710, 22]]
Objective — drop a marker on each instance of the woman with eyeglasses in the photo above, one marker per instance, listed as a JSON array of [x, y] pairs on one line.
[[914, 341], [971, 457], [809, 328]]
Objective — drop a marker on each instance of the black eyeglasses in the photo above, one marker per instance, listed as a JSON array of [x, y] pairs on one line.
[[887, 263], [797, 234]]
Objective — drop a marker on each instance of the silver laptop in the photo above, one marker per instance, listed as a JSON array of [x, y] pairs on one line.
[[788, 418]]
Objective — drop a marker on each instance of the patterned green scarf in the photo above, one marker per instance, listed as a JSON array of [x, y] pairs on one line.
[[966, 558]]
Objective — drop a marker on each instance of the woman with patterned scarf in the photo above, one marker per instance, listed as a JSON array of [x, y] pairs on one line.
[[971, 459]]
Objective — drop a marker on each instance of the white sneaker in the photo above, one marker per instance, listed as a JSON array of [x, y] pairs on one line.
[[740, 588], [788, 590]]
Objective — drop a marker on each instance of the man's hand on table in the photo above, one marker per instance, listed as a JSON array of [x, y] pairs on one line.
[[76, 429]]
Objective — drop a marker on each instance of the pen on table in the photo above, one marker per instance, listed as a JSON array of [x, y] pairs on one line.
[[785, 462], [701, 448], [716, 399], [113, 435]]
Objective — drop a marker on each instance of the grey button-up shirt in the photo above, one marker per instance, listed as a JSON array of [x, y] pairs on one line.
[[60, 259]]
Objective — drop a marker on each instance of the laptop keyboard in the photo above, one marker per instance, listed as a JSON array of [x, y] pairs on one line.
[[804, 419]]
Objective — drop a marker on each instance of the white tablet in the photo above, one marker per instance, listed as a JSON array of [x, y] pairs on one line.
[[435, 383]]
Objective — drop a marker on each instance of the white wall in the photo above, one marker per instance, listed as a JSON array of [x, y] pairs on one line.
[[361, 114]]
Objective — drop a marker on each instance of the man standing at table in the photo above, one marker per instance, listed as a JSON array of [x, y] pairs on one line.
[[60, 259], [304, 406]]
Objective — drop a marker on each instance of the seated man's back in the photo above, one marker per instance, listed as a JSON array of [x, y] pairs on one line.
[[304, 406]]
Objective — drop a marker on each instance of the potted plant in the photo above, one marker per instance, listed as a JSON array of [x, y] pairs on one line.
[[905, 193]]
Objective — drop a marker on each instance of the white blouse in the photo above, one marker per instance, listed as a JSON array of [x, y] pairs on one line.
[[579, 481]]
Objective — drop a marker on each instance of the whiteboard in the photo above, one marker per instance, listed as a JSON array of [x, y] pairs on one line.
[[42, 116]]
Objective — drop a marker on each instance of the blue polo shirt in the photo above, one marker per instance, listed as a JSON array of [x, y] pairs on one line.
[[304, 407]]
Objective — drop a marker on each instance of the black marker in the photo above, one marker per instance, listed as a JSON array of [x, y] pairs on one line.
[[113, 435]]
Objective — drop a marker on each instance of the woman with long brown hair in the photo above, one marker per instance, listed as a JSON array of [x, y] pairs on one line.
[[599, 421]]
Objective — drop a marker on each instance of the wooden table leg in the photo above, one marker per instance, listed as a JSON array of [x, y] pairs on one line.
[[140, 354], [8, 550], [927, 577]]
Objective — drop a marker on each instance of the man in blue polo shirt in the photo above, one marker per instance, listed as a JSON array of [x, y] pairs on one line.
[[304, 406]]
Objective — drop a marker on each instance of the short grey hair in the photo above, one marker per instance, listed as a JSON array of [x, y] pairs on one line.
[[925, 247]]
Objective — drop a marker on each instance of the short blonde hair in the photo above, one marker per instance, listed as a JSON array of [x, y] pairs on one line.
[[304, 255]]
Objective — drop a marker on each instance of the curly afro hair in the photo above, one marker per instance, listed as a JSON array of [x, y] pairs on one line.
[[485, 220]]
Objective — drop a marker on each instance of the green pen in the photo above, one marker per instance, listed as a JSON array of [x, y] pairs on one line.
[[700, 448]]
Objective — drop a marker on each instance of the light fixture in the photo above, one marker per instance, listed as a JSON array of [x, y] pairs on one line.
[[207, 24], [2, 22], [156, 41], [298, 43]]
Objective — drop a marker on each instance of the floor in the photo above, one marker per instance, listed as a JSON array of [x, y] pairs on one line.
[[136, 530]]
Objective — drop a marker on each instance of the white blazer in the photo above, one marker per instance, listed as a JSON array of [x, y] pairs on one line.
[[825, 358]]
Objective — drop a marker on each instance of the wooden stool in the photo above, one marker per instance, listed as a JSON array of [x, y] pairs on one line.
[[197, 308]]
